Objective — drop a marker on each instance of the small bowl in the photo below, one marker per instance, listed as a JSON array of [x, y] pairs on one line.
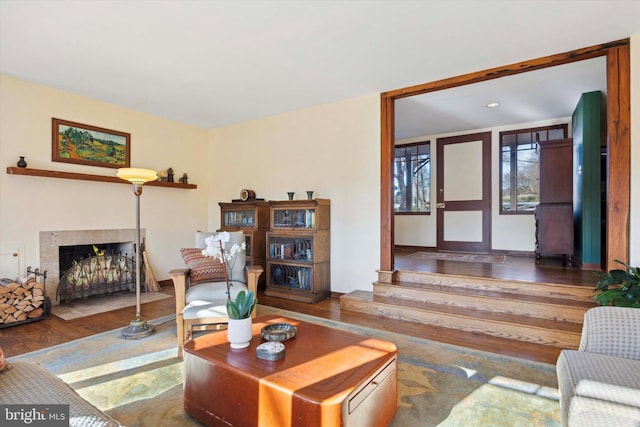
[[278, 332]]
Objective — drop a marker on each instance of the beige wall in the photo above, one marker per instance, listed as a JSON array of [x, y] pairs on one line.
[[29, 205], [330, 149]]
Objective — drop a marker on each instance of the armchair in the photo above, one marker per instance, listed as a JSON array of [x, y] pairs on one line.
[[201, 291], [600, 382]]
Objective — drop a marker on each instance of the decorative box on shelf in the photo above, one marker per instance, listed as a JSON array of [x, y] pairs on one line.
[[251, 217], [298, 250]]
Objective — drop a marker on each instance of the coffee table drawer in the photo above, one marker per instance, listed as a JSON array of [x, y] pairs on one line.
[[374, 403]]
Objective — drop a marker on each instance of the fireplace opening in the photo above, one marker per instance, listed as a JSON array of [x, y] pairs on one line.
[[96, 270], [70, 255]]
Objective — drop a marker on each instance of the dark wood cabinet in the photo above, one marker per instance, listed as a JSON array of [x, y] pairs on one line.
[[554, 213], [555, 171], [299, 250], [554, 230], [251, 217]]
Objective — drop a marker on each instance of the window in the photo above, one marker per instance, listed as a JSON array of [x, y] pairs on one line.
[[412, 178], [519, 166]]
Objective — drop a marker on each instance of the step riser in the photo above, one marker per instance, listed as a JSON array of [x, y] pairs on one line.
[[548, 290], [490, 304], [519, 332]]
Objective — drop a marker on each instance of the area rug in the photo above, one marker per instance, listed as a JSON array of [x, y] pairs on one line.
[[139, 382], [457, 256], [102, 304]]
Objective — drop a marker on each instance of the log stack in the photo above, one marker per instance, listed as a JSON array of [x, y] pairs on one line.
[[21, 301]]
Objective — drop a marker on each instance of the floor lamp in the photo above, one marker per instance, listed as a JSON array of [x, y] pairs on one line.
[[138, 328]]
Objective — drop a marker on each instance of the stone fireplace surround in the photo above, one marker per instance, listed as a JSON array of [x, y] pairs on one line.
[[50, 241]]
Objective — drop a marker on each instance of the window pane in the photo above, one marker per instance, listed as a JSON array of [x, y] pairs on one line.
[[525, 138], [412, 178], [509, 139], [556, 134], [506, 177], [519, 166], [527, 181]]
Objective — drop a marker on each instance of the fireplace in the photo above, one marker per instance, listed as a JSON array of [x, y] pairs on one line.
[[96, 269], [111, 241]]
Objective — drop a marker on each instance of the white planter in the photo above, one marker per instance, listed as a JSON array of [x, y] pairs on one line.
[[239, 332]]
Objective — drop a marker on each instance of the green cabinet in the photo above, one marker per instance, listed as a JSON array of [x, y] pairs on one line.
[[589, 149]]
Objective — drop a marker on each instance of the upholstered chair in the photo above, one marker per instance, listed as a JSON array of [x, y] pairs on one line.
[[201, 290], [600, 382]]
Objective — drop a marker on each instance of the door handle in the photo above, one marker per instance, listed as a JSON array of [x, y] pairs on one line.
[[440, 205]]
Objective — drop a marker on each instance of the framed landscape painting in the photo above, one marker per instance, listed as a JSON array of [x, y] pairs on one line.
[[89, 145]]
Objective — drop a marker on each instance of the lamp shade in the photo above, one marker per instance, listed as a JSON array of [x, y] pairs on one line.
[[137, 175]]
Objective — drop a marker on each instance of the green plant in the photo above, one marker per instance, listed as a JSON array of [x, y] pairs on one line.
[[620, 287], [243, 305]]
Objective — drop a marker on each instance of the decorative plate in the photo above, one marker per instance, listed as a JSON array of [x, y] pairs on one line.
[[278, 332]]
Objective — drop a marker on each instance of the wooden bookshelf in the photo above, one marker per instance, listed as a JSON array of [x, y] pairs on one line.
[[12, 170]]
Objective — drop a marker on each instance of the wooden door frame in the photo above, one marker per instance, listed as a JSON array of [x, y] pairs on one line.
[[618, 142]]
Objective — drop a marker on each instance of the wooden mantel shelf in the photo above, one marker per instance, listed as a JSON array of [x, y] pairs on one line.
[[87, 177]]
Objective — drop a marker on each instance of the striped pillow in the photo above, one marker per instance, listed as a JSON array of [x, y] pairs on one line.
[[203, 268]]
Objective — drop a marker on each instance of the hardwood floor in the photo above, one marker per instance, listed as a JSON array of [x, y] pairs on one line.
[[34, 336], [524, 268], [53, 330]]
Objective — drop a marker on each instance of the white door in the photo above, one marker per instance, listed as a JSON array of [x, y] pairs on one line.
[[464, 193], [11, 261]]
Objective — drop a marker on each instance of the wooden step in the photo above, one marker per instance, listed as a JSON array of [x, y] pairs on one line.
[[495, 302], [475, 321], [573, 294], [541, 313]]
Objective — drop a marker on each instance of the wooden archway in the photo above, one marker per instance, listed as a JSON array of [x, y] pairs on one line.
[[618, 141]]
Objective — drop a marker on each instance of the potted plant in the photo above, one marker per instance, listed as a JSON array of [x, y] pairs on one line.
[[239, 326], [620, 287]]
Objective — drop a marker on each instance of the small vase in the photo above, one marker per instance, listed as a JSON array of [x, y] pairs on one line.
[[309, 195], [21, 163], [239, 332], [290, 194]]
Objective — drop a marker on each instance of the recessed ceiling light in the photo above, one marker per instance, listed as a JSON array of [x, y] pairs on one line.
[[493, 104]]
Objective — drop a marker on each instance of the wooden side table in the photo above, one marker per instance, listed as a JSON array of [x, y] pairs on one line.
[[327, 378]]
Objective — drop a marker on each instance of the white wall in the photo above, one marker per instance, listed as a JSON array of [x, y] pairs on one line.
[[508, 232], [29, 204], [333, 150]]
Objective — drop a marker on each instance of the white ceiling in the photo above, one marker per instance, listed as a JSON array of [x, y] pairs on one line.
[[213, 63], [549, 93]]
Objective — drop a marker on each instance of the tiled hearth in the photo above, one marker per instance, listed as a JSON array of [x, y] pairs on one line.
[[50, 241]]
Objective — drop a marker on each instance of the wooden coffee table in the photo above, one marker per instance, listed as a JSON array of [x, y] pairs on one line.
[[327, 378]]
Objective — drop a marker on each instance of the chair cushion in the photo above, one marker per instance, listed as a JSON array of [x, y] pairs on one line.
[[28, 383], [204, 311], [587, 378], [204, 268], [209, 300], [585, 411]]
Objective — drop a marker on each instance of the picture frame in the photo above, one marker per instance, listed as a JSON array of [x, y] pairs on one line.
[[82, 144]]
